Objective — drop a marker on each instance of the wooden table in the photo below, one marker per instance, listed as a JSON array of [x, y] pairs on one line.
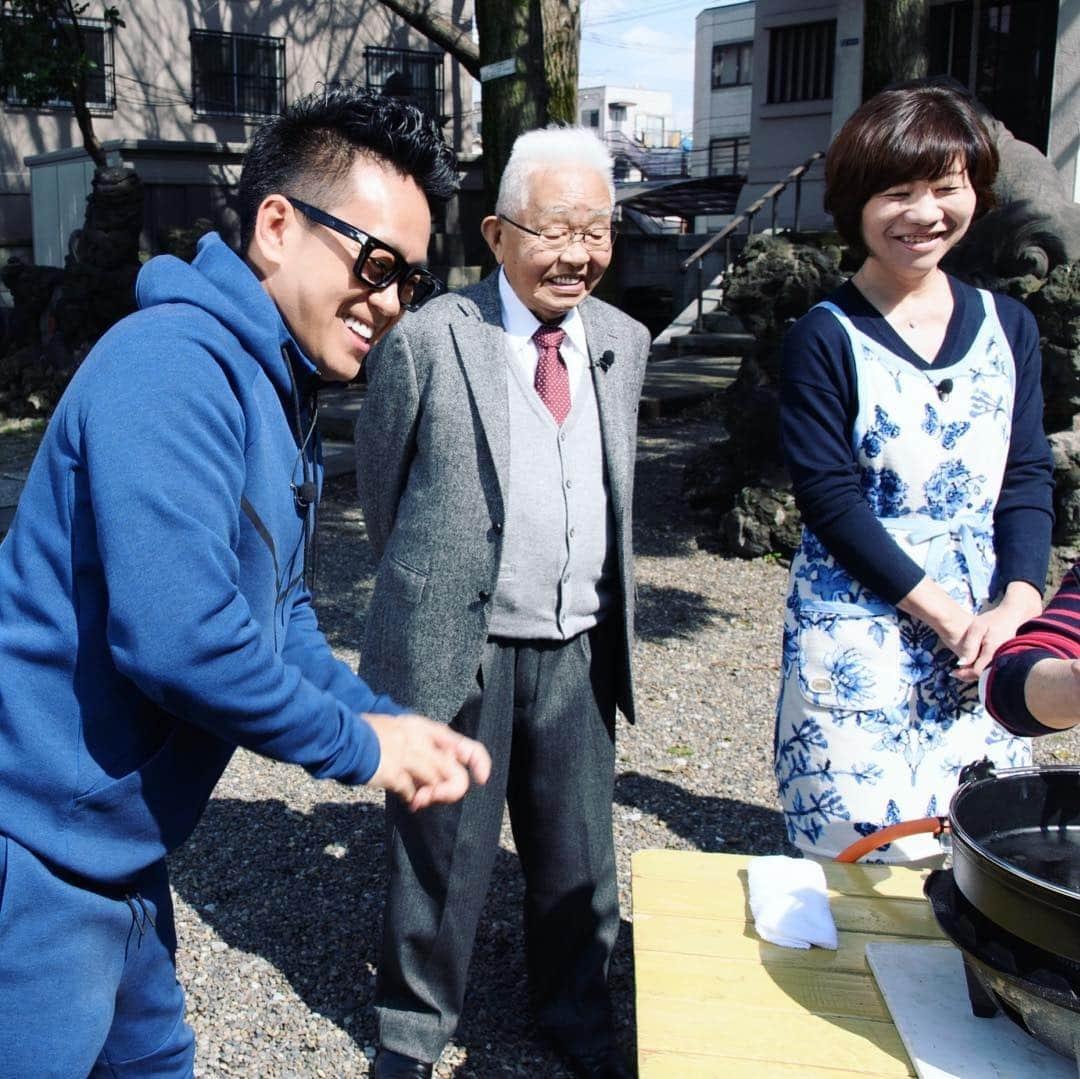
[[715, 1000]]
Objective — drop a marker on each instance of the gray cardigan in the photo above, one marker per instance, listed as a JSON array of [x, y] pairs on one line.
[[432, 446]]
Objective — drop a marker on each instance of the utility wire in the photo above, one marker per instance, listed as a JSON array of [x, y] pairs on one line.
[[646, 10], [608, 43]]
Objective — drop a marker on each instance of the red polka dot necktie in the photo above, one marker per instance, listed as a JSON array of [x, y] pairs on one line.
[[552, 381]]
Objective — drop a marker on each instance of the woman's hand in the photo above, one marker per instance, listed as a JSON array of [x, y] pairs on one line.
[[974, 638], [991, 629], [930, 603]]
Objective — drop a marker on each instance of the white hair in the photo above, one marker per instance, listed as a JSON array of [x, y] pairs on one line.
[[548, 148]]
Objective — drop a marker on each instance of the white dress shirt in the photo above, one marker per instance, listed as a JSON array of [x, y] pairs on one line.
[[520, 324]]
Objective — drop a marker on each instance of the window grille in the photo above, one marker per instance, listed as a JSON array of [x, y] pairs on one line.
[[237, 74], [729, 157], [412, 74], [97, 37], [801, 60]]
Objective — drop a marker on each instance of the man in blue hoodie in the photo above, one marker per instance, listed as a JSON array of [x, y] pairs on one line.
[[153, 608]]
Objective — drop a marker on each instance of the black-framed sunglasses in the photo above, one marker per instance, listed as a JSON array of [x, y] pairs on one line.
[[379, 265]]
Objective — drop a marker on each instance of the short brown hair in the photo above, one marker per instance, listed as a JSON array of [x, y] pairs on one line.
[[912, 132]]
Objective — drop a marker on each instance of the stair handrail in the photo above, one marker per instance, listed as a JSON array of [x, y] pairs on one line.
[[725, 234], [619, 142], [747, 215]]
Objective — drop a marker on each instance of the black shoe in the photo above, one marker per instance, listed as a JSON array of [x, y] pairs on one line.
[[391, 1065], [603, 1064]]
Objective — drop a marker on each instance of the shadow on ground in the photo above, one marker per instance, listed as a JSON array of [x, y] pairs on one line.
[[305, 892], [664, 612], [664, 527], [699, 819]]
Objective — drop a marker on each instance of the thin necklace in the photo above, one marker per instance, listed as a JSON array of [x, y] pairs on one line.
[[911, 323]]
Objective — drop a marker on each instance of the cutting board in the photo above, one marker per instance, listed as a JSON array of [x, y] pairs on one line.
[[926, 993]]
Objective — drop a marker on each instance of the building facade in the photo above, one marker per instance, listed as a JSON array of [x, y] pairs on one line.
[[638, 126], [179, 89], [1020, 58], [723, 75], [723, 79], [644, 116]]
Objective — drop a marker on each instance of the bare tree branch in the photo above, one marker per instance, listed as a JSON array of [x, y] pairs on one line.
[[439, 29]]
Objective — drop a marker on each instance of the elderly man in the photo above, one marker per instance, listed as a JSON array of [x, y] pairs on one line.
[[497, 451]]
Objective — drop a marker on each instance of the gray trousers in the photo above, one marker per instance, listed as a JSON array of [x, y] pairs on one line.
[[546, 712]]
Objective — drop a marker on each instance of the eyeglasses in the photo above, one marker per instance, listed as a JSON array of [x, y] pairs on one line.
[[379, 265], [560, 237]]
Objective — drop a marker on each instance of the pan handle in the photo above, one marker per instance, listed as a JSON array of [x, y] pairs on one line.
[[867, 843]]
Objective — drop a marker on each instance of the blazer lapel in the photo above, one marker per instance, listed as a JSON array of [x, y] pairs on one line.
[[602, 355], [481, 350]]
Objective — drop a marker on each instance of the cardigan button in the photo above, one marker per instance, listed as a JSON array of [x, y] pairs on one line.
[[497, 528], [485, 595]]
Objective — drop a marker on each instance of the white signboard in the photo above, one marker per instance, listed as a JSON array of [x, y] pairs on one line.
[[498, 70]]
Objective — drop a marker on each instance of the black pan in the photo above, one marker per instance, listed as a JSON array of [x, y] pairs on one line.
[[1016, 851]]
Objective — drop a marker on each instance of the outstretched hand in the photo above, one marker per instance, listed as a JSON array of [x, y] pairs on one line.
[[425, 763]]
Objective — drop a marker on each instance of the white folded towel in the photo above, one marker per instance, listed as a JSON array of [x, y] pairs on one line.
[[789, 903]]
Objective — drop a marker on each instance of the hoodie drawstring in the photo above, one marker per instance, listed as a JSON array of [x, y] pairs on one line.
[[306, 495], [137, 905]]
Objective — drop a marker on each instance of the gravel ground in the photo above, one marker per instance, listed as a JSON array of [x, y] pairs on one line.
[[279, 891]]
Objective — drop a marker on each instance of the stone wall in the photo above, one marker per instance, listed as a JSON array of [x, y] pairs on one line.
[[740, 487]]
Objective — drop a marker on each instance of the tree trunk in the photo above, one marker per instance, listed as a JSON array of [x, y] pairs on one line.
[[86, 126], [895, 42], [543, 36], [516, 102], [79, 106], [561, 23]]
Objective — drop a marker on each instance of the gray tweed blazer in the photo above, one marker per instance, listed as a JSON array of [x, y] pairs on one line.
[[432, 466]]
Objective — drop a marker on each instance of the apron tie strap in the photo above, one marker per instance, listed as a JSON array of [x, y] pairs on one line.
[[964, 531]]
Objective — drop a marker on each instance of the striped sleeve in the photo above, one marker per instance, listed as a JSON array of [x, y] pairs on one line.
[[1055, 634]]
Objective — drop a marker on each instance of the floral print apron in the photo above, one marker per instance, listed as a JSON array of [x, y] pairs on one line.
[[871, 727]]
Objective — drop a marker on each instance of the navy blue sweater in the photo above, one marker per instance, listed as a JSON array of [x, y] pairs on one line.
[[818, 407], [152, 615], [1055, 634]]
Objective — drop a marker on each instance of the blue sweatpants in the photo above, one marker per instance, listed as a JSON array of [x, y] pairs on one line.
[[88, 980]]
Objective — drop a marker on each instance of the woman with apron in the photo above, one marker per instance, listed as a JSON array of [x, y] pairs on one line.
[[911, 418]]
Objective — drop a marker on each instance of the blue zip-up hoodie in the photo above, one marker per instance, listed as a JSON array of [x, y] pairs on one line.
[[152, 611]]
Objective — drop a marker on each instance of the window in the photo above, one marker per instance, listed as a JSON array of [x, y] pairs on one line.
[[100, 80], [1013, 70], [650, 130], [732, 65], [412, 74], [616, 112], [950, 40], [590, 117], [1004, 54], [801, 62], [237, 74], [729, 157]]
